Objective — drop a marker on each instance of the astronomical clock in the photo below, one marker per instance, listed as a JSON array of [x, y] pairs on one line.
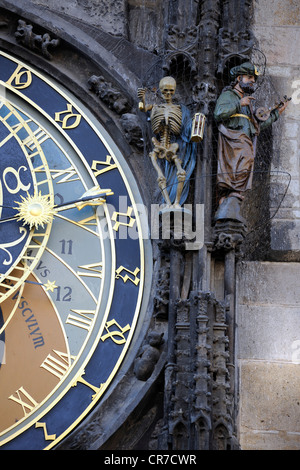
[[72, 259]]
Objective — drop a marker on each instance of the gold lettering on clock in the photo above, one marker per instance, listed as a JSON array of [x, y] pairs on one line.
[[24, 399], [18, 183], [125, 277], [115, 334], [48, 437], [20, 78], [107, 165], [115, 216], [70, 120], [84, 382], [5, 246]]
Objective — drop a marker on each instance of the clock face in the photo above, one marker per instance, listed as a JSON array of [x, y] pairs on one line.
[[20, 179], [72, 259]]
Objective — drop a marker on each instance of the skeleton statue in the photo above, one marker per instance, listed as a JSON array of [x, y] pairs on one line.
[[171, 125]]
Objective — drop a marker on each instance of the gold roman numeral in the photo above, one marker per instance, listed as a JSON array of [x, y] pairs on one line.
[[82, 318], [91, 270], [66, 175], [57, 365], [23, 398]]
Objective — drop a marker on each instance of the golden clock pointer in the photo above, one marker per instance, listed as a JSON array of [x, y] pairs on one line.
[[10, 316], [53, 338], [37, 210], [49, 285]]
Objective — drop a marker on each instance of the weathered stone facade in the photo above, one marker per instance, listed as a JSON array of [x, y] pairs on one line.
[[267, 291], [215, 361]]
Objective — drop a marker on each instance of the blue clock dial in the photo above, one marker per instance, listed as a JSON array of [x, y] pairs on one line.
[[23, 172], [84, 266], [16, 180]]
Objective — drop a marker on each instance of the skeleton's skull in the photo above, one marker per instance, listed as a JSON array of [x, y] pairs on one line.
[[167, 86]]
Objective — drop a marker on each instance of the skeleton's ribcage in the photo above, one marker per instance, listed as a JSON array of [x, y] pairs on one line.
[[166, 119]]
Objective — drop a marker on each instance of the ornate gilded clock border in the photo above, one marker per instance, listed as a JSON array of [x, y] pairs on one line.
[[104, 115], [128, 188]]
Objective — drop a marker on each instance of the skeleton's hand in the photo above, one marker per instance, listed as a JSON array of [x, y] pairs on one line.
[[141, 92]]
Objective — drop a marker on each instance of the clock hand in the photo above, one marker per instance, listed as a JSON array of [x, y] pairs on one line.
[[48, 286], [36, 210], [13, 311], [88, 199], [6, 219]]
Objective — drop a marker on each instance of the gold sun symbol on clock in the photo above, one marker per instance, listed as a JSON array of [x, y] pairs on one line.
[[34, 210]]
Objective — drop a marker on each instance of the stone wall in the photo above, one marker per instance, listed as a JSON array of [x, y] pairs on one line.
[[129, 36], [277, 29], [268, 297], [108, 15], [268, 294]]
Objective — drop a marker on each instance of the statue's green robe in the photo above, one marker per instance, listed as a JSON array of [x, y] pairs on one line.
[[237, 131]]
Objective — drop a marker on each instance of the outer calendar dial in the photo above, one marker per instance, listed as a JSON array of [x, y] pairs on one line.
[[72, 298]]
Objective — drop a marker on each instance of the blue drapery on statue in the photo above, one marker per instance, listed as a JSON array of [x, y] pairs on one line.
[[187, 154]]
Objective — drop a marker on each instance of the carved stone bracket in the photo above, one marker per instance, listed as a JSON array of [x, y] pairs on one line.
[[131, 126], [148, 355], [117, 102], [112, 97], [228, 235], [35, 42]]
